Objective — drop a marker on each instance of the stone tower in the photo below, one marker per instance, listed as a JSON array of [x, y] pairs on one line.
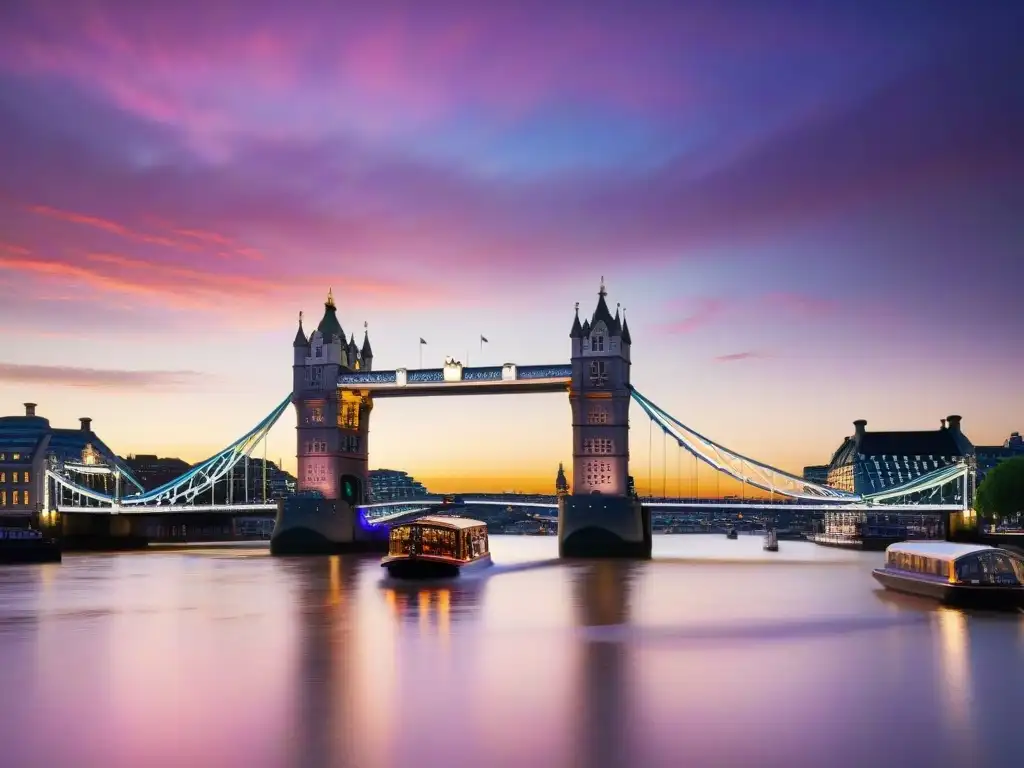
[[600, 397], [332, 424], [602, 517]]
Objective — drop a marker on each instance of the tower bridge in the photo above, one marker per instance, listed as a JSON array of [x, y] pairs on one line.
[[335, 386]]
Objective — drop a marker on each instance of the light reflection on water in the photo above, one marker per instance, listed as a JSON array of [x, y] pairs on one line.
[[715, 653]]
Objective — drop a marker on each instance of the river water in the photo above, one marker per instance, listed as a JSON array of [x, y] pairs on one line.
[[715, 653]]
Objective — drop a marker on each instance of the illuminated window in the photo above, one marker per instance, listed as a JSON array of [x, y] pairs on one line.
[[3, 498], [14, 477], [25, 477], [25, 497], [15, 456], [3, 477], [15, 498]]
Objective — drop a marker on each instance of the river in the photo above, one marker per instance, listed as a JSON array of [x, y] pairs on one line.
[[714, 653]]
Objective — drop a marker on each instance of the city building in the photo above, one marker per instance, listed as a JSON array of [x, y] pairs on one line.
[[28, 445], [988, 456], [869, 462], [817, 474], [561, 484], [394, 485]]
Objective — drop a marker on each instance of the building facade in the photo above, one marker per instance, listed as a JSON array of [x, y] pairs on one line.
[[28, 446], [394, 485], [989, 456], [869, 462]]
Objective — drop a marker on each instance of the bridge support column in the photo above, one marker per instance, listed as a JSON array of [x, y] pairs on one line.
[[602, 518], [87, 531], [603, 527]]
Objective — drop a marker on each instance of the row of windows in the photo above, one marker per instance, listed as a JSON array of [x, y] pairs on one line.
[[18, 498], [12, 457], [597, 414], [601, 446], [597, 473], [17, 477]]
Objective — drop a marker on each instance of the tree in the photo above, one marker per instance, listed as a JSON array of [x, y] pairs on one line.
[[1001, 493]]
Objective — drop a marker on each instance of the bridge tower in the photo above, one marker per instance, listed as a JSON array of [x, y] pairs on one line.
[[332, 430], [601, 518]]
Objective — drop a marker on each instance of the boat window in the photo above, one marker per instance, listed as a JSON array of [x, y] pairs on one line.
[[990, 568]]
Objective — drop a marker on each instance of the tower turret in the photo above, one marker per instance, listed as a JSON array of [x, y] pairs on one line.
[[561, 484], [300, 346], [353, 352], [366, 353]]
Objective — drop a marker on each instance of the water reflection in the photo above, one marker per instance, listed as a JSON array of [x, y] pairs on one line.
[[601, 593]]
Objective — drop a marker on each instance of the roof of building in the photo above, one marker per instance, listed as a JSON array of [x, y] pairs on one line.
[[300, 336], [456, 523], [576, 332], [329, 326], [940, 442], [603, 315], [21, 435], [367, 351], [626, 338], [938, 550]]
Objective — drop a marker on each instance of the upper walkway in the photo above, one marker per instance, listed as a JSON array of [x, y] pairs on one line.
[[456, 379]]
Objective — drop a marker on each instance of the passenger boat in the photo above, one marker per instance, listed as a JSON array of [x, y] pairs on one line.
[[731, 534], [435, 547], [27, 545], [771, 541], [956, 574]]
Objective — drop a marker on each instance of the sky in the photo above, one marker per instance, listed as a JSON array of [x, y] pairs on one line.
[[810, 212]]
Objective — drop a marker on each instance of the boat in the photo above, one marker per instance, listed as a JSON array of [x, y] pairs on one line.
[[27, 545], [972, 575], [437, 547], [771, 541], [731, 534]]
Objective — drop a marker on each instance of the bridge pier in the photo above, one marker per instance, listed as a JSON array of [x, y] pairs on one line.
[[603, 527], [88, 531], [311, 525]]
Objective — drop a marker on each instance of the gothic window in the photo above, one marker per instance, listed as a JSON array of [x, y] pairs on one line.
[[597, 343], [316, 415], [318, 350], [597, 414], [598, 373]]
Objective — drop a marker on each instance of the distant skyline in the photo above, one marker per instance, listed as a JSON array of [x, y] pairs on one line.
[[809, 211]]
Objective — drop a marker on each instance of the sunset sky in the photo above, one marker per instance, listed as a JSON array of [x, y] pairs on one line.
[[811, 212]]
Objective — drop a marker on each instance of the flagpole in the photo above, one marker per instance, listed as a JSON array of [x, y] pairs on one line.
[[421, 355]]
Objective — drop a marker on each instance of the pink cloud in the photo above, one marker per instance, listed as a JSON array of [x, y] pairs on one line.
[[739, 356]]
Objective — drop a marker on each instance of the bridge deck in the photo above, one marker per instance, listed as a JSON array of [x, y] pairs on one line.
[[454, 379]]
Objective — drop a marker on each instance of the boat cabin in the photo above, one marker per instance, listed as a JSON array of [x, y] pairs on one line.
[[956, 563], [452, 538]]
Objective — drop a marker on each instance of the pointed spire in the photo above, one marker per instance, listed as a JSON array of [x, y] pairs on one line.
[[352, 344], [617, 326], [602, 313], [367, 352], [300, 335], [625, 329], [577, 329], [329, 326]]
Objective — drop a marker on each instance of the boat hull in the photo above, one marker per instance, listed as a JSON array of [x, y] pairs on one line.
[[426, 567], [963, 595]]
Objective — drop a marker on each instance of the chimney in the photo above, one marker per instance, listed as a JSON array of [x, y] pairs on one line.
[[86, 424], [859, 425], [30, 409], [954, 423]]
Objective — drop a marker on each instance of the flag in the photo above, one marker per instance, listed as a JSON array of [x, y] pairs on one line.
[[422, 341], [483, 339]]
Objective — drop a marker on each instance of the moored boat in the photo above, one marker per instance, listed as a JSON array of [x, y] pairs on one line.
[[771, 541], [27, 545], [436, 547], [731, 534], [957, 574]]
